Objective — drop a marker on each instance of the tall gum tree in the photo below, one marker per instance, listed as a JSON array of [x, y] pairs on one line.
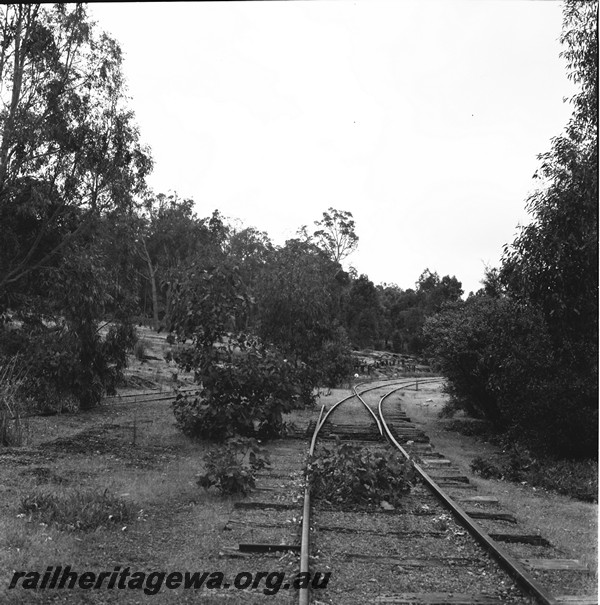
[[69, 148], [553, 263], [336, 234]]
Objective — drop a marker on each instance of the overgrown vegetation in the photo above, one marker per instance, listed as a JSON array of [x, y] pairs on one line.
[[77, 510], [575, 478], [65, 370], [350, 474], [245, 384], [231, 468], [245, 388], [71, 164], [523, 351]]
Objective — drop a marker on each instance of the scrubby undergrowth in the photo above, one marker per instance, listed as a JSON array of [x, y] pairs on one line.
[[575, 478]]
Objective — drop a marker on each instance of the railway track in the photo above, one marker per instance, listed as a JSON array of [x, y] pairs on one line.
[[446, 544]]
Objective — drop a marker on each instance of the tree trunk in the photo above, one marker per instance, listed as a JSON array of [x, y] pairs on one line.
[[167, 317], [152, 278], [7, 135]]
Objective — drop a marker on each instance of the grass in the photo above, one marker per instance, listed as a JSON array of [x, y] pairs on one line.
[[57, 506], [76, 509], [130, 454]]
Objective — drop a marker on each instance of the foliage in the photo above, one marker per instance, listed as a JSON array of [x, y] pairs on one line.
[[58, 373], [575, 478], [71, 166], [251, 249], [231, 467], [168, 236], [334, 361], [245, 388], [69, 150], [350, 474], [498, 358], [245, 384], [404, 311], [435, 292], [488, 349], [75, 509], [527, 344], [363, 311], [336, 234], [297, 299], [553, 263], [209, 300], [82, 291]]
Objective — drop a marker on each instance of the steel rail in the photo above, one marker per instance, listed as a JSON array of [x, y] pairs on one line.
[[305, 542], [304, 593], [375, 416], [111, 399], [357, 394], [506, 561], [149, 392]]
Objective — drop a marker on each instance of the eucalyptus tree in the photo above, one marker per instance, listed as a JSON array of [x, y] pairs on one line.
[[71, 161], [553, 263], [524, 350], [168, 236], [69, 147], [336, 234]]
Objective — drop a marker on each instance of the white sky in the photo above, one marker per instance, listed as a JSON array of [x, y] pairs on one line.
[[422, 118]]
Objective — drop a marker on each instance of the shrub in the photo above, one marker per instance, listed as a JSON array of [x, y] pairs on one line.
[[245, 387], [82, 510], [231, 467], [502, 365], [334, 361], [350, 474], [64, 371], [575, 478], [513, 464], [486, 468]]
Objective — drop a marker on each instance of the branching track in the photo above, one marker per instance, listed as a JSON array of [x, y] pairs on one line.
[[373, 421]]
